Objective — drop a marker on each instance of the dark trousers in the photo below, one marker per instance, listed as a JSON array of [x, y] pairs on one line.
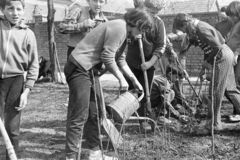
[[10, 92], [140, 77], [82, 110]]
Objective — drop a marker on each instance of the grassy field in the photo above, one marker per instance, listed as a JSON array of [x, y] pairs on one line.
[[43, 133]]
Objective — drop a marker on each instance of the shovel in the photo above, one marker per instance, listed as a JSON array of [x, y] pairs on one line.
[[10, 149], [109, 127], [148, 102]]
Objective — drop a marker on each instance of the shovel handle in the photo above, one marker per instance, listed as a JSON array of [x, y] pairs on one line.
[[144, 72], [9, 146], [148, 102]]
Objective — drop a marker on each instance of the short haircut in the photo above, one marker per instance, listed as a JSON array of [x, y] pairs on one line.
[[174, 69], [224, 9], [180, 20], [233, 9], [140, 18], [4, 3]]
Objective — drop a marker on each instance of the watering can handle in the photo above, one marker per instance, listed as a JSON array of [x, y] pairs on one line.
[[139, 98], [142, 95]]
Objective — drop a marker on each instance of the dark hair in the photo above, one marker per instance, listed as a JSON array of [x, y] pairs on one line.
[[233, 9], [224, 9], [180, 20], [139, 17], [138, 3], [4, 3], [171, 68]]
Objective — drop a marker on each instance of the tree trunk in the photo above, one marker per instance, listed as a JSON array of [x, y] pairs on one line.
[[51, 40]]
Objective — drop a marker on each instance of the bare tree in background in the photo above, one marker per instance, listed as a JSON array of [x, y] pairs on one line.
[[55, 66]]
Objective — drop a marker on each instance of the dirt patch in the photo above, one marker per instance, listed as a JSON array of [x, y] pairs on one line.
[[43, 132]]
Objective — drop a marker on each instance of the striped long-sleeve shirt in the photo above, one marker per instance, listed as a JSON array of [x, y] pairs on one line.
[[72, 22]]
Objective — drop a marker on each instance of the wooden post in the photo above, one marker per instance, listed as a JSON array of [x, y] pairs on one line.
[[217, 4], [51, 40]]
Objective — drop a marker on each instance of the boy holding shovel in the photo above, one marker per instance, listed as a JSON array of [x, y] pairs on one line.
[[154, 44]]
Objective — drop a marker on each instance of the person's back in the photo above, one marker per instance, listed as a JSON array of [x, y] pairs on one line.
[[225, 24], [233, 41], [224, 27], [18, 50], [101, 43]]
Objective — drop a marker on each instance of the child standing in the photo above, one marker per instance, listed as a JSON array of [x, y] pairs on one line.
[[154, 44], [18, 54], [80, 21]]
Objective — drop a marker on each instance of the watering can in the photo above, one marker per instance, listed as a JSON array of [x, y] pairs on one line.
[[125, 105]]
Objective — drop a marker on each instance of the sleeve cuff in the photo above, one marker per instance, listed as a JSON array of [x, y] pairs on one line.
[[29, 83], [80, 26], [158, 55]]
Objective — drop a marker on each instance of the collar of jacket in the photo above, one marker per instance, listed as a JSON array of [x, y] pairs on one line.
[[20, 25]]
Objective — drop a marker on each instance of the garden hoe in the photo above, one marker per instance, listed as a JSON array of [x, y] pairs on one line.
[[148, 107], [9, 146]]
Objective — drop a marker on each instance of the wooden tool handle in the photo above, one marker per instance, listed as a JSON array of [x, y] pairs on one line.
[[9, 146], [139, 37]]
